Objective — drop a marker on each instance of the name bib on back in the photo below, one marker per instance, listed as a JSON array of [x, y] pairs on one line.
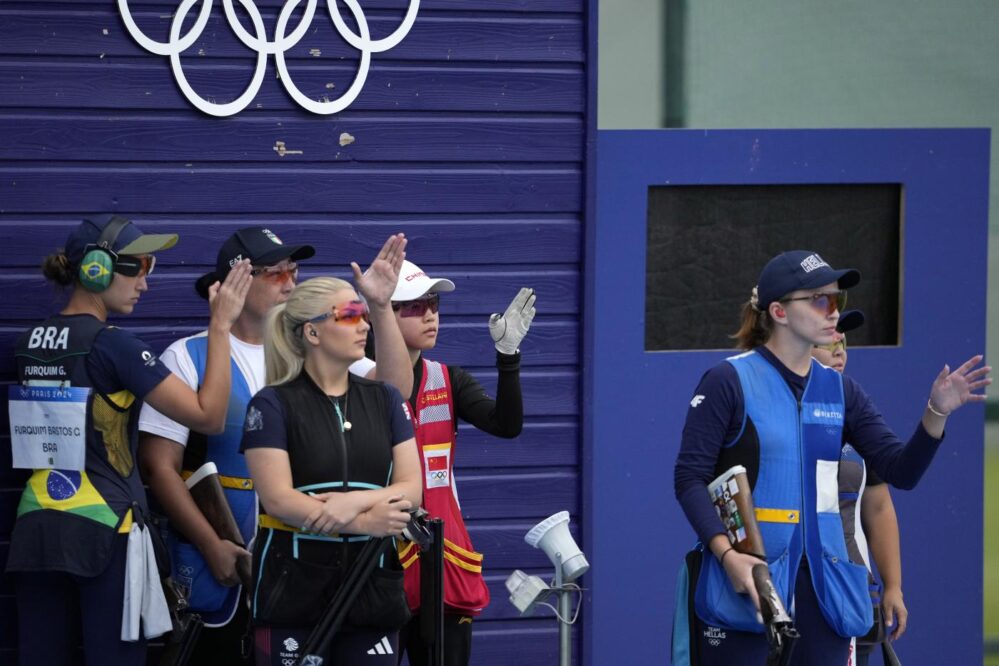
[[48, 427]]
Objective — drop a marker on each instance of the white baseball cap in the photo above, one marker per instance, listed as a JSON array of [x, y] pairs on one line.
[[414, 283]]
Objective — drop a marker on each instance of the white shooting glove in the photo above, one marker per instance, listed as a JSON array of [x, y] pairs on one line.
[[510, 328]]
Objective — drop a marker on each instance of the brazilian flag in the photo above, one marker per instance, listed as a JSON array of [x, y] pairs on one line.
[[66, 490]]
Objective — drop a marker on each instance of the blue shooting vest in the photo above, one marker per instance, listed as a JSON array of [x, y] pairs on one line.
[[213, 601], [799, 460]]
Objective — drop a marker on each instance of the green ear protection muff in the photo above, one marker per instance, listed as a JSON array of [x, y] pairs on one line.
[[98, 263]]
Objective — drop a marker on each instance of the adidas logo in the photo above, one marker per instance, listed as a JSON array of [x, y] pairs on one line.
[[382, 647]]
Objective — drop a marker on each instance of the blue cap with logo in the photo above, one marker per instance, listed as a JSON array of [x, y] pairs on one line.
[[128, 241], [799, 269], [261, 246]]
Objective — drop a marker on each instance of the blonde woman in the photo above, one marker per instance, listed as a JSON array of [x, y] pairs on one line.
[[333, 460]]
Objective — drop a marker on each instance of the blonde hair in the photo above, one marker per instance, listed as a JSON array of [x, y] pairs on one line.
[[284, 348], [755, 329]]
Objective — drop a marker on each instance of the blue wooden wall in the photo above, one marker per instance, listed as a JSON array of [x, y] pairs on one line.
[[470, 136], [637, 525]]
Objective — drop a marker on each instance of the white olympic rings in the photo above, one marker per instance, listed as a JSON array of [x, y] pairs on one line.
[[259, 43]]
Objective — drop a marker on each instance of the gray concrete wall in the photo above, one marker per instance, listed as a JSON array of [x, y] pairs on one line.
[[632, 81], [809, 63]]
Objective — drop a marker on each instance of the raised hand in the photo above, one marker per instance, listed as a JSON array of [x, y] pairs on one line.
[[378, 282], [509, 329], [226, 299], [950, 390]]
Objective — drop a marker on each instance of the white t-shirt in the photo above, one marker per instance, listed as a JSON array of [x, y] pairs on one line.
[[362, 367], [250, 361]]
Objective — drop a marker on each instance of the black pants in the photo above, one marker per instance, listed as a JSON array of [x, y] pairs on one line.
[[224, 645], [57, 612], [457, 641]]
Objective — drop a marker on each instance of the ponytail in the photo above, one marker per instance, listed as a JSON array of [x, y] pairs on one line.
[[284, 348], [755, 329], [56, 268], [284, 352]]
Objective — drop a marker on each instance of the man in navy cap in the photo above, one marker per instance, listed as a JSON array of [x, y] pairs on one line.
[[205, 565]]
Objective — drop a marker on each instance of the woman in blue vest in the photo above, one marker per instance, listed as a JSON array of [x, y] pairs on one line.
[[84, 568], [870, 524], [785, 417], [333, 461]]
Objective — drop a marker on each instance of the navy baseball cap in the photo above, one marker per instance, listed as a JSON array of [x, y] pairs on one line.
[[130, 239], [799, 269], [849, 321], [258, 244]]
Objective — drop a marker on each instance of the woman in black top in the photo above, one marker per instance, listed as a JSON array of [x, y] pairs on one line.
[[333, 461]]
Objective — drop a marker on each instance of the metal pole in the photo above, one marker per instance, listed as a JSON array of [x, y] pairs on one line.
[[437, 649], [564, 628]]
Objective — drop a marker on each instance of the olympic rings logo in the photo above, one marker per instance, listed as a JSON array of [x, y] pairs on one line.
[[258, 42], [439, 475]]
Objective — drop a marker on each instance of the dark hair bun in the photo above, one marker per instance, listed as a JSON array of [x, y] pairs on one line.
[[56, 268]]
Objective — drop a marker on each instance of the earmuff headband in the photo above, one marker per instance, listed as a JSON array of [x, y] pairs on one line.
[[111, 232]]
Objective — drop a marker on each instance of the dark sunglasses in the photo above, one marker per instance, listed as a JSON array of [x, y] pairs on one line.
[[277, 273], [827, 302], [349, 315], [419, 307], [135, 265]]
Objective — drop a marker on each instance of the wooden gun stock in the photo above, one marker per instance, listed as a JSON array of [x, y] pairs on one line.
[[206, 490]]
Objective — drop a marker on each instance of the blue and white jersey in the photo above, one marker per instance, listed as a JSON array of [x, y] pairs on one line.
[[249, 359]]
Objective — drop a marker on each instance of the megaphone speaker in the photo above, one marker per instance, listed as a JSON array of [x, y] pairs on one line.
[[552, 536]]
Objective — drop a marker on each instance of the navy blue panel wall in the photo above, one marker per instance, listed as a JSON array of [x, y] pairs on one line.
[[641, 398], [469, 136]]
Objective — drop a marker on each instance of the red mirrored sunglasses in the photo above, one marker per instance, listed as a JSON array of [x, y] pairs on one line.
[[277, 273], [419, 307], [827, 302], [349, 315]]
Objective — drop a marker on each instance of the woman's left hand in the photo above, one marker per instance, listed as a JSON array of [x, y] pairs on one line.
[[387, 518], [378, 282], [950, 390], [225, 299], [337, 511], [896, 614], [508, 330]]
